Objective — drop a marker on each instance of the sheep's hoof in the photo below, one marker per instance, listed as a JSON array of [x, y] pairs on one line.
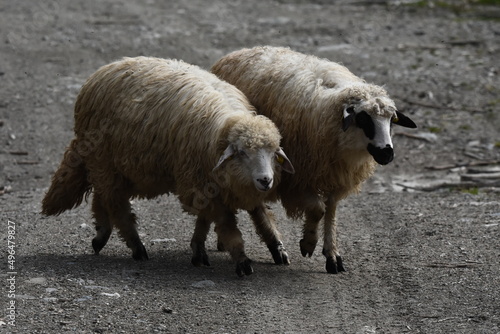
[[244, 268], [334, 266], [97, 245], [140, 253], [200, 258], [279, 253], [307, 248]]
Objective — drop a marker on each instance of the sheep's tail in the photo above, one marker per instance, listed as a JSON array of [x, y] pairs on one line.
[[69, 184]]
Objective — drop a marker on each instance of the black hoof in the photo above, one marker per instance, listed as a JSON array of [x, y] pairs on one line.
[[279, 253], [200, 258], [244, 268], [334, 266], [340, 264], [97, 245], [140, 254], [306, 248]]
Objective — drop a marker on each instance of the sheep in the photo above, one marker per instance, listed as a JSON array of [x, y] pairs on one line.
[[335, 128], [148, 126]]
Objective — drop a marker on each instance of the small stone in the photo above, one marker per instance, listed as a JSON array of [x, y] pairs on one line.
[[116, 294], [163, 240], [83, 299], [203, 284], [25, 297], [37, 280]]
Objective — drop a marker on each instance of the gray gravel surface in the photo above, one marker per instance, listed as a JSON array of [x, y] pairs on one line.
[[417, 261]]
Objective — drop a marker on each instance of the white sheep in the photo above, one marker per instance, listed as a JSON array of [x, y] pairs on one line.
[[149, 126], [335, 126]]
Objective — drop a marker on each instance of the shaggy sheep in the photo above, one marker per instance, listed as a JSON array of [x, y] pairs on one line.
[[335, 126], [149, 126]]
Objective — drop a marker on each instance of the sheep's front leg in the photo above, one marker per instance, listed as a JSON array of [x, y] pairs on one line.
[[263, 219], [330, 249], [200, 256], [230, 236]]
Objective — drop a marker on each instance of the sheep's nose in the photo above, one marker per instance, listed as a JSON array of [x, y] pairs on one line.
[[265, 181], [381, 155]]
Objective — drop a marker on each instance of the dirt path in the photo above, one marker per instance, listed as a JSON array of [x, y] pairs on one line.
[[417, 262]]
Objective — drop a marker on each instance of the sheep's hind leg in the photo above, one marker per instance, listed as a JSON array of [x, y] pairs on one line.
[[263, 220], [334, 263], [103, 225], [124, 219], [230, 236], [314, 212], [201, 230], [220, 245]]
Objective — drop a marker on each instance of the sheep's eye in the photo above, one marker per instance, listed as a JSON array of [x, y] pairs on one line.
[[395, 119], [242, 153]]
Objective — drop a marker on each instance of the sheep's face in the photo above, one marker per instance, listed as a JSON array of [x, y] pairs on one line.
[[257, 166], [253, 156], [375, 118]]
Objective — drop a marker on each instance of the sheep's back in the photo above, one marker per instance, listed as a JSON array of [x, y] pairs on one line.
[[298, 92], [154, 119]]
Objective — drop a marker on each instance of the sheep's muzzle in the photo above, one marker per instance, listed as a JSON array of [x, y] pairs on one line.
[[381, 155], [263, 184]]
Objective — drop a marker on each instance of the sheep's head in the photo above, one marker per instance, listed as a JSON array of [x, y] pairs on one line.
[[253, 155], [375, 117]]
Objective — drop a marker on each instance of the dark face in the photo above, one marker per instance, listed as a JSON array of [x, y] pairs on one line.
[[378, 128], [378, 131]]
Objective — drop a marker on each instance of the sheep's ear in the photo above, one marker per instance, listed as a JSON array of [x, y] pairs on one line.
[[403, 120], [285, 164], [348, 117], [226, 155]]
